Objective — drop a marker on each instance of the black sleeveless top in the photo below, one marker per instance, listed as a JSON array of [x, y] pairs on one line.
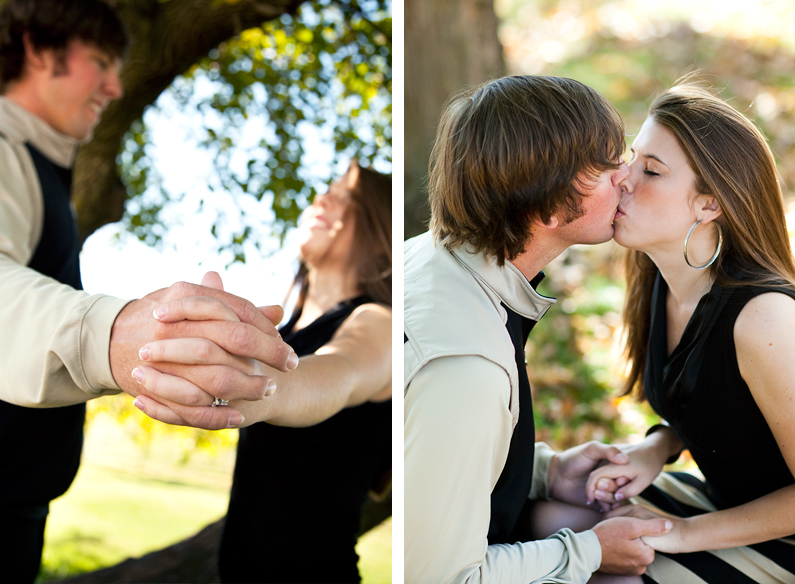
[[298, 492], [698, 389], [46, 442]]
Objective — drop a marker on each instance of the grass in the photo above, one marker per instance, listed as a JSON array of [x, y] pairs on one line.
[[109, 515]]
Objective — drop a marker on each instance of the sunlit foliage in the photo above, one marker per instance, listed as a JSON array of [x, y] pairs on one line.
[[328, 66]]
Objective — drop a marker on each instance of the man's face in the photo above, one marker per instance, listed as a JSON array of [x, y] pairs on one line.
[[599, 205], [76, 91]]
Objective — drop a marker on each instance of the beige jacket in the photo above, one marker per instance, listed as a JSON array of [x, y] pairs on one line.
[[55, 343], [460, 408]]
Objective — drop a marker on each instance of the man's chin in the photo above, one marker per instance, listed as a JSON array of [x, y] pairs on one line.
[[603, 238], [87, 136]]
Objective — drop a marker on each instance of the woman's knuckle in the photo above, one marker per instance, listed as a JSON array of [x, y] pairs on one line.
[[194, 398], [180, 289], [203, 352], [240, 336], [221, 381], [248, 312]]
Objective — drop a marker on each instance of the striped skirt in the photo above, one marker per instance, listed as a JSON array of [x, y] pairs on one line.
[[680, 494]]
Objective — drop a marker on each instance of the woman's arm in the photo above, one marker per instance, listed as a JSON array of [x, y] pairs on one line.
[[765, 348], [355, 366]]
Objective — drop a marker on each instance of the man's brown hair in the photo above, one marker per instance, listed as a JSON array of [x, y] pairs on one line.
[[53, 24], [513, 150]]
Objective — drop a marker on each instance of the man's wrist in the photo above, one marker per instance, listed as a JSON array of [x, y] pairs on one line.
[[546, 468]]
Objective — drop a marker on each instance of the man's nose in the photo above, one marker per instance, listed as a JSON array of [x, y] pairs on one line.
[[621, 173], [112, 86]]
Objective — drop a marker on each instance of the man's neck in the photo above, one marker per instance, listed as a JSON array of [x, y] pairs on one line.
[[17, 93], [537, 254]]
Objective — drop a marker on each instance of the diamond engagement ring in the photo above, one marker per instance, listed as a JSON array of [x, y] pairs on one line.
[[219, 402]]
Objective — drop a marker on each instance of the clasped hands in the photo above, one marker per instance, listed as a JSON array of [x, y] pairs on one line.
[[177, 349], [613, 483], [628, 534]]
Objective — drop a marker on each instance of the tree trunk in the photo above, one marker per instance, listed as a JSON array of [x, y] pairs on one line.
[[195, 559], [168, 37], [450, 44]]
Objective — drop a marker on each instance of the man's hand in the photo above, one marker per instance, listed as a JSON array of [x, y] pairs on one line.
[[623, 551], [224, 338], [569, 470], [672, 542]]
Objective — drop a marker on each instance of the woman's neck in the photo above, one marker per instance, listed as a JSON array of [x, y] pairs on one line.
[[686, 285], [327, 288]]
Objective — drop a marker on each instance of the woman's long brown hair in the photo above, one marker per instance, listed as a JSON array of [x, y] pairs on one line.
[[371, 257]]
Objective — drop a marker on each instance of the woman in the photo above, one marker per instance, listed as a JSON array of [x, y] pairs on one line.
[[297, 492], [710, 345], [301, 479]]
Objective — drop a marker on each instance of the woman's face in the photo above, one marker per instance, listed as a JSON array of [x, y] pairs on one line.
[[659, 202], [327, 228]]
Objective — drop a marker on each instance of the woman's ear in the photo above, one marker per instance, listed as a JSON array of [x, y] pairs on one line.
[[707, 208]]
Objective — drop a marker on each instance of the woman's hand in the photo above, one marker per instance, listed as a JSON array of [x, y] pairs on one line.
[[178, 378], [611, 484], [672, 542]]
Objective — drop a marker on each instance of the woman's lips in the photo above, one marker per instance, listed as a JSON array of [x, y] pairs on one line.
[[319, 222]]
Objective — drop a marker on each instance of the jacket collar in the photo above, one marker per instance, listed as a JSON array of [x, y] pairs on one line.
[[507, 282], [23, 126]]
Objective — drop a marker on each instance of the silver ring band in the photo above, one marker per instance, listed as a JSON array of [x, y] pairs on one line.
[[219, 402]]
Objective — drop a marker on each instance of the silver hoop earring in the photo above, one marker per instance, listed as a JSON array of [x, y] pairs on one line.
[[717, 251]]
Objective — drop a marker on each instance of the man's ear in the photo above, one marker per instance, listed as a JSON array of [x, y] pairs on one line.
[[552, 223], [35, 59]]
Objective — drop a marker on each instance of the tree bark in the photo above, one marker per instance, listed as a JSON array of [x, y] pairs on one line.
[[168, 37], [195, 559], [450, 44]]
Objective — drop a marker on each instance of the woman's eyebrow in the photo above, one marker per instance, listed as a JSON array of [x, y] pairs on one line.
[[652, 156]]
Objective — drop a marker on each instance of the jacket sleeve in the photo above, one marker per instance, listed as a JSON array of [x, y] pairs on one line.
[[457, 435], [541, 458], [54, 350]]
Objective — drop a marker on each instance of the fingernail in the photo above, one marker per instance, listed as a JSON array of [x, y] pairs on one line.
[[669, 525], [138, 374], [619, 496], [588, 502], [292, 361], [270, 387], [144, 353], [621, 457], [160, 312], [139, 404], [235, 420]]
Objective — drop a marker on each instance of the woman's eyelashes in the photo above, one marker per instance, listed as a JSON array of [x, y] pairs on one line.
[[649, 172]]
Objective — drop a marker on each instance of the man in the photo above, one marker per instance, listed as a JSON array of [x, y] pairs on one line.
[[59, 69], [522, 169]]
